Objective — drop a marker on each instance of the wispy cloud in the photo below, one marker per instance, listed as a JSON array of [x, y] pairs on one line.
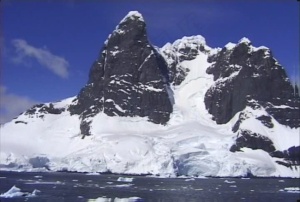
[[11, 104], [58, 65]]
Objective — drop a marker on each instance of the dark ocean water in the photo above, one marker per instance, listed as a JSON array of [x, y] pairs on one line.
[[106, 187]]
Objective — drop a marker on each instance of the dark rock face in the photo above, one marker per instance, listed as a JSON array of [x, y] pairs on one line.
[[291, 155], [130, 78], [251, 140], [243, 75], [33, 109], [184, 49], [50, 109], [177, 73], [288, 115], [17, 122], [44, 109], [266, 120], [243, 116]]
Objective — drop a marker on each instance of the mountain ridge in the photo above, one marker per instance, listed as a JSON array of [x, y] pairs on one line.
[[183, 109]]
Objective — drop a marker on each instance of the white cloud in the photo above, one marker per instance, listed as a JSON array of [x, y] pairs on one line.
[[11, 105], [58, 65]]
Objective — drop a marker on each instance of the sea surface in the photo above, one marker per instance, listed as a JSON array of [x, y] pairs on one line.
[[58, 186]]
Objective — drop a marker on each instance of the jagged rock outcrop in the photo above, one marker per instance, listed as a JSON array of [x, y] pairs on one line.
[[130, 78], [246, 76], [41, 109], [291, 156], [251, 140], [243, 73], [184, 49]]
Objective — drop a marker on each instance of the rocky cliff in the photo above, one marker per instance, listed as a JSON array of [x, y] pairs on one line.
[[130, 78]]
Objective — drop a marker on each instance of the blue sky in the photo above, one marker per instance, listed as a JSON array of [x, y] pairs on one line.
[[48, 47]]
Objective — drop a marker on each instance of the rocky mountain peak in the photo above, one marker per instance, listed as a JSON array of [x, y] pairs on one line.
[[133, 16], [131, 28], [129, 78], [193, 41], [245, 40], [246, 92], [244, 44], [184, 49], [243, 73]]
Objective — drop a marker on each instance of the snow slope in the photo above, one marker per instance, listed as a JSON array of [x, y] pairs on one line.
[[190, 144]]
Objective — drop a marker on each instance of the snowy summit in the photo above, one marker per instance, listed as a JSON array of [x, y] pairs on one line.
[[245, 40], [133, 15]]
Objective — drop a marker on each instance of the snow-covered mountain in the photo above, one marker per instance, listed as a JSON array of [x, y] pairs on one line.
[[183, 109]]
